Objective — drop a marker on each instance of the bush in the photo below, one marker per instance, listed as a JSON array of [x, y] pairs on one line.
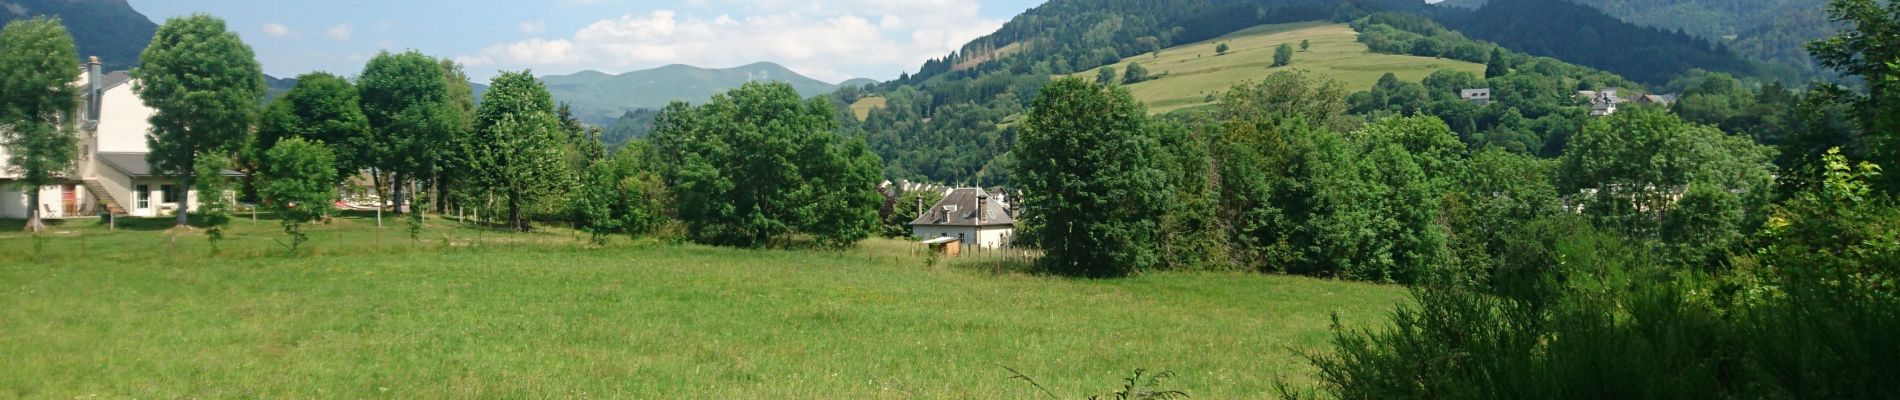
[[298, 185]]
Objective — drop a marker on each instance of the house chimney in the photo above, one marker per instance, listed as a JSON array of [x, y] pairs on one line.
[[982, 205], [94, 89]]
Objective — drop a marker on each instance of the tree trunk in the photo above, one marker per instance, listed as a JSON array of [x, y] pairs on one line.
[[514, 212], [396, 197], [442, 194], [33, 223], [382, 192], [184, 199]]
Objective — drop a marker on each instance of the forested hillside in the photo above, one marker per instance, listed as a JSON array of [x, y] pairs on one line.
[[951, 122], [110, 29], [1768, 30], [1585, 36]]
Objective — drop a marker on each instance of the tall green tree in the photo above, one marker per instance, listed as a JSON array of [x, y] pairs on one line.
[[38, 72], [299, 181], [518, 147], [1498, 65], [405, 97], [322, 108], [757, 163], [1375, 195], [1086, 167], [1870, 48], [204, 85], [1283, 55], [461, 99]]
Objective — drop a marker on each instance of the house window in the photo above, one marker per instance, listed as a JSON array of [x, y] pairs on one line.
[[143, 197], [171, 193]]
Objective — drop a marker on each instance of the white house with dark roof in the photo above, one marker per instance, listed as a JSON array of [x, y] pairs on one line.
[[975, 218], [111, 175], [1476, 96]]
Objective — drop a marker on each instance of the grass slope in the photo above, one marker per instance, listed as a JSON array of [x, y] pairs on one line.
[[1187, 74], [863, 107], [467, 313]]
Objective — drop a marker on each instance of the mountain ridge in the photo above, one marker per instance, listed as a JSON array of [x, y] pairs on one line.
[[600, 97], [109, 29]]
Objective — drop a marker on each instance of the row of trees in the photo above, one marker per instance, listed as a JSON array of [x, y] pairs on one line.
[[752, 167]]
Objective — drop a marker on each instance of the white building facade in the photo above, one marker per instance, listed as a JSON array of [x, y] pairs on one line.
[[111, 174]]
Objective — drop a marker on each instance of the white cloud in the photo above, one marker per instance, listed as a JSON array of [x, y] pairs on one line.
[[278, 30], [532, 27], [824, 39], [340, 32]]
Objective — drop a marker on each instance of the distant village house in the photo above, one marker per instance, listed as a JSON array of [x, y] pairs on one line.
[[967, 219]]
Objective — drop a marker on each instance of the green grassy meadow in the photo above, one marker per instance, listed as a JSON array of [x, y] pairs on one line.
[[1187, 74], [149, 312]]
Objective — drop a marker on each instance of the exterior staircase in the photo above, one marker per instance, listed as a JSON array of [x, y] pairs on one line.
[[113, 207]]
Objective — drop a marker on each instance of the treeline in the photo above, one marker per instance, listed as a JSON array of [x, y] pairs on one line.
[[752, 167]]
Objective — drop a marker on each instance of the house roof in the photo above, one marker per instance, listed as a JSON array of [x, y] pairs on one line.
[[114, 79], [959, 209], [138, 164], [1470, 93]]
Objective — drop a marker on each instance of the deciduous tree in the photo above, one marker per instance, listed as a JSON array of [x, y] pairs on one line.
[[1086, 167], [757, 163], [38, 72], [321, 108], [405, 98], [204, 85], [299, 181], [518, 147]]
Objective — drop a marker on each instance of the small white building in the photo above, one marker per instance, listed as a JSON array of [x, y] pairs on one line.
[[1476, 96], [975, 218], [111, 174]]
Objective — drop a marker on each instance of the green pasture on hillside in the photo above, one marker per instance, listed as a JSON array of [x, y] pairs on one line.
[[1185, 75]]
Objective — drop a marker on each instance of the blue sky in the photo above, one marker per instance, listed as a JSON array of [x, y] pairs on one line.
[[831, 40]]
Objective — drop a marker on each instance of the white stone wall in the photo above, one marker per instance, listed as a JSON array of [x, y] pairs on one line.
[[157, 207], [124, 121], [989, 238], [52, 204]]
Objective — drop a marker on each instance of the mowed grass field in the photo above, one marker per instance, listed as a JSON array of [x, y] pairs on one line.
[[147, 312], [1187, 74], [862, 108]]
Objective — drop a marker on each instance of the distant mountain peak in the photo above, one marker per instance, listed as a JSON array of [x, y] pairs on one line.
[[109, 29], [601, 97]]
